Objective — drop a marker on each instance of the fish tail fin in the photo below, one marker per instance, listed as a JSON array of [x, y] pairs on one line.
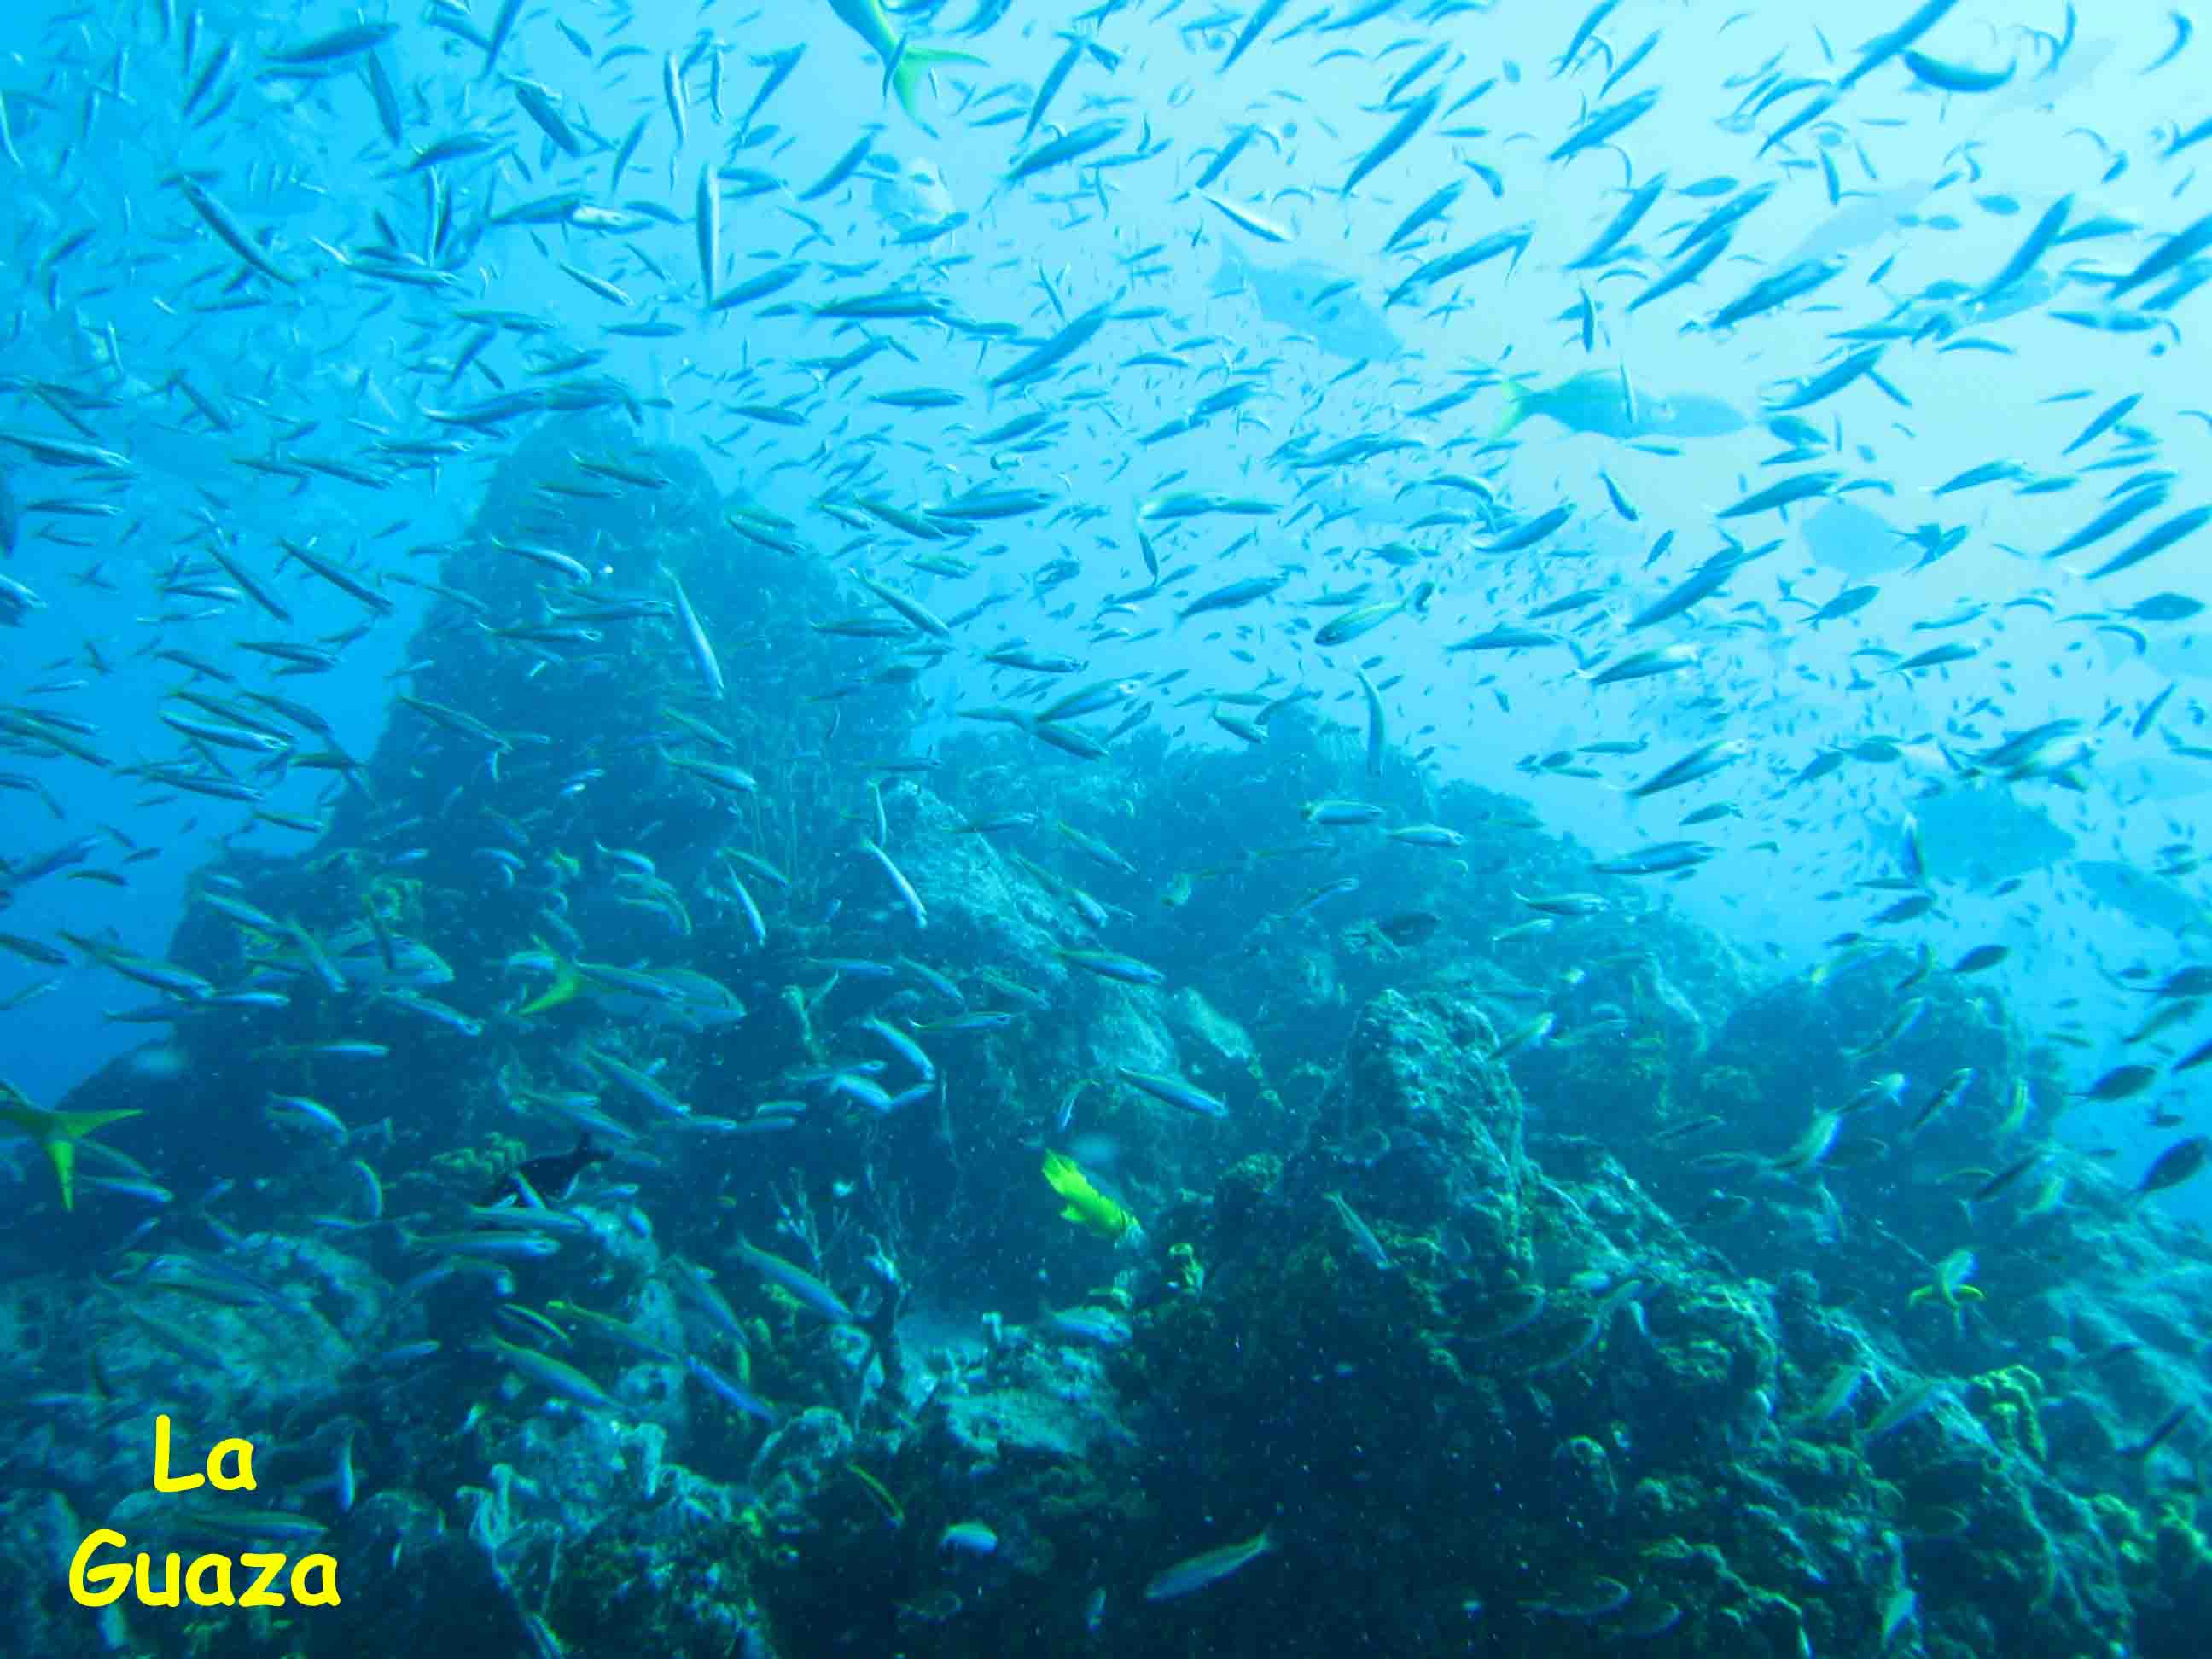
[[917, 61], [77, 1125], [1520, 405], [61, 1153], [59, 1133], [564, 988]]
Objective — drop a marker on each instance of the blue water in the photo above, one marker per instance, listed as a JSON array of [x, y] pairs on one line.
[[335, 375]]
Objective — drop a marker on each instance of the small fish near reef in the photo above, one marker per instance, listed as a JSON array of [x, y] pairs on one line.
[[552, 1177], [1211, 1568]]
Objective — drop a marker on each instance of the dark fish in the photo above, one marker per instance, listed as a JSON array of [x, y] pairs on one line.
[[2005, 1178], [2175, 1166], [551, 1177], [2120, 1083], [1409, 926], [2158, 1436]]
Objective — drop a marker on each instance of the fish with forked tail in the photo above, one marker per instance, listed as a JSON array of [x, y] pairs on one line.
[[551, 1177], [904, 63]]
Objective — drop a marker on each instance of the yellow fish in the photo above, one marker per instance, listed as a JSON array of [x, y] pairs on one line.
[[904, 63], [565, 986], [1949, 1285], [1086, 1205], [59, 1133]]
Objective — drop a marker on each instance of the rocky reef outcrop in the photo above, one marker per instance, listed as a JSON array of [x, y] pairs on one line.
[[1548, 1280]]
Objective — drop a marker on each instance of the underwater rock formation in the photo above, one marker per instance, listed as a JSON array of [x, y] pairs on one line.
[[1439, 1309]]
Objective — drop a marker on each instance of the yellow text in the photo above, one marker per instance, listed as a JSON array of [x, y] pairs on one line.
[[206, 1583]]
